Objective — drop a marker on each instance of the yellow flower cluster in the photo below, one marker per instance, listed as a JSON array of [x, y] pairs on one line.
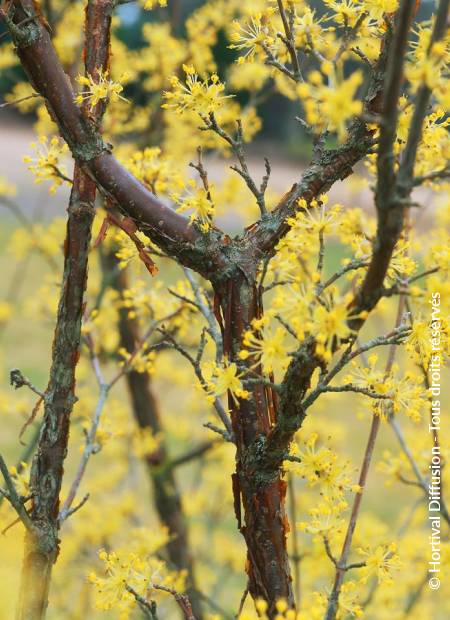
[[330, 106], [265, 345], [252, 37], [201, 96], [283, 612], [48, 164], [380, 562], [151, 4], [406, 394], [5, 311], [198, 201], [141, 361], [224, 378], [330, 324], [162, 57], [429, 63], [154, 170], [99, 89], [47, 240], [321, 467]]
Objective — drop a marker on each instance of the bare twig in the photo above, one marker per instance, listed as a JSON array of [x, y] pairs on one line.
[[182, 600], [18, 380], [13, 497], [289, 41], [21, 100], [195, 362]]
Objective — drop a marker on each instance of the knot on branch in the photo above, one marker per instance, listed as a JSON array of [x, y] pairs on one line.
[[88, 150], [17, 379], [25, 32]]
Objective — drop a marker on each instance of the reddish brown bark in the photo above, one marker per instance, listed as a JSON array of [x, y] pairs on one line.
[[259, 498]]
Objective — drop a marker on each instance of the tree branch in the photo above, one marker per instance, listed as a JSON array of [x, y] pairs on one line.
[[171, 231], [42, 544], [324, 171]]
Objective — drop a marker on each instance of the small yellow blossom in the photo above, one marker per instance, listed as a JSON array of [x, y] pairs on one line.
[[151, 4], [5, 312], [331, 106], [226, 378], [380, 562], [197, 200], [48, 164], [99, 89], [251, 37], [330, 325], [265, 345], [201, 96], [141, 361], [154, 170]]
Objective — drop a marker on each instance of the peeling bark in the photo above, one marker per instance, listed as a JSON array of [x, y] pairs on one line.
[[42, 543], [259, 498]]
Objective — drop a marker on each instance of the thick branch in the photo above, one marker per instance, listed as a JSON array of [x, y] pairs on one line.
[[168, 229], [323, 171], [394, 190], [42, 543]]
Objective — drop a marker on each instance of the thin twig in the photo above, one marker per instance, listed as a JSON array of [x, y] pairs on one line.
[[182, 600], [13, 497]]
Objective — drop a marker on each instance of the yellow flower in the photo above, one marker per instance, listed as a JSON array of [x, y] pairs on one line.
[[418, 343], [293, 304], [348, 601], [101, 88], [251, 37], [265, 345], [202, 96], [331, 106], [315, 218], [226, 378], [331, 328], [199, 201], [346, 12], [121, 571], [154, 170], [325, 518], [321, 466], [5, 311], [151, 4], [140, 361], [406, 394], [47, 165], [378, 8], [380, 562], [145, 442], [308, 29]]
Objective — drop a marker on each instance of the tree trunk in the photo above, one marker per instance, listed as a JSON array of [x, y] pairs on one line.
[[259, 497], [42, 544], [35, 579], [146, 412]]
